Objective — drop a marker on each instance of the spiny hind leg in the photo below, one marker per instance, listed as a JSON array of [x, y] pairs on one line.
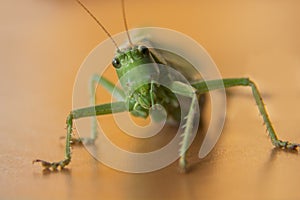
[[205, 86], [186, 135], [188, 91]]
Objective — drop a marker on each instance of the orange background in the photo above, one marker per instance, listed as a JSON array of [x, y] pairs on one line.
[[43, 44]]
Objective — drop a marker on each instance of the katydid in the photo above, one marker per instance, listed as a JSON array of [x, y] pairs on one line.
[[140, 100]]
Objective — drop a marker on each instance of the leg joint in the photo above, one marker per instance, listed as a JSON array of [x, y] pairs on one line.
[[70, 118]]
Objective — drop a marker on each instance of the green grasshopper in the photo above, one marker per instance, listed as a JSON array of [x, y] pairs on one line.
[[140, 100]]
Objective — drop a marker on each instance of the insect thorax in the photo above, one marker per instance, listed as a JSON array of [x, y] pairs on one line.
[[150, 94]]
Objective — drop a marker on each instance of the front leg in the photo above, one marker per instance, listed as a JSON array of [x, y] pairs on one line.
[[67, 159], [115, 91], [76, 114]]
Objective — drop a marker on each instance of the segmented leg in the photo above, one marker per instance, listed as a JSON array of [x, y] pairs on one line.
[[206, 86], [67, 160], [186, 135], [110, 87], [188, 91], [76, 114]]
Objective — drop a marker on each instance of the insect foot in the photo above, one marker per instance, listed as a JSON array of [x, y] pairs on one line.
[[286, 145], [53, 165]]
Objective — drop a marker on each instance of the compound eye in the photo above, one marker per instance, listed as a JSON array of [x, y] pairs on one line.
[[144, 50], [116, 63]]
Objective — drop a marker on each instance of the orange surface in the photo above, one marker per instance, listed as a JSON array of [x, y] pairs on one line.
[[43, 44]]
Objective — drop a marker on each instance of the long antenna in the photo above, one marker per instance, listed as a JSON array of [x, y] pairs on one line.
[[125, 23], [98, 22]]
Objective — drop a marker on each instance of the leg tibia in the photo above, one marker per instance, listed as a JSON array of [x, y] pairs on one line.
[[262, 109], [205, 86], [76, 114], [67, 159], [111, 88]]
